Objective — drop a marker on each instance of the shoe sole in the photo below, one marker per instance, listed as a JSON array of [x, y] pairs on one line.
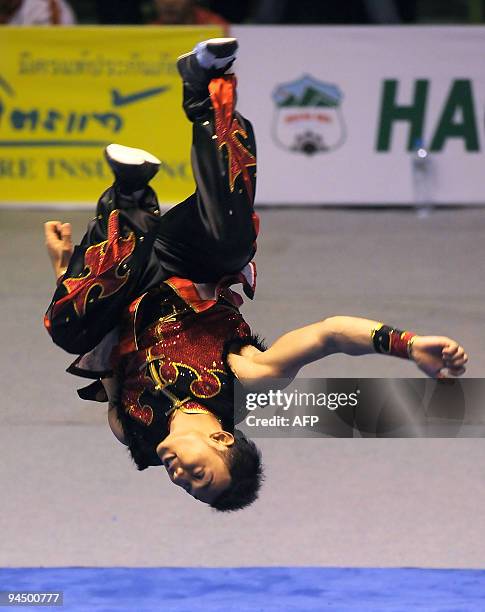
[[222, 47], [130, 155], [218, 47]]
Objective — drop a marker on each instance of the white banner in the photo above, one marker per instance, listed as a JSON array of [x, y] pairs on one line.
[[339, 111]]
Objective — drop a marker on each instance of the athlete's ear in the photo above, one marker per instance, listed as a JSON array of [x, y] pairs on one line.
[[224, 437]]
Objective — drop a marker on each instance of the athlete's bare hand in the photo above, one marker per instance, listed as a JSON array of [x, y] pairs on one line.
[[58, 240], [438, 356]]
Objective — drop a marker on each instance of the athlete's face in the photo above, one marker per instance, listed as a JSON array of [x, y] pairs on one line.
[[193, 462]]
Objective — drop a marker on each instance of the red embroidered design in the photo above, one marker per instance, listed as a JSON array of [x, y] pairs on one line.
[[100, 259], [207, 383], [228, 129], [132, 399], [144, 413]]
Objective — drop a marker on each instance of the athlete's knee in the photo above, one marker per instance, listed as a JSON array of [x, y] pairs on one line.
[[68, 335]]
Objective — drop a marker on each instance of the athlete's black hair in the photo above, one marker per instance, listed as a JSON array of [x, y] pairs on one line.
[[243, 460]]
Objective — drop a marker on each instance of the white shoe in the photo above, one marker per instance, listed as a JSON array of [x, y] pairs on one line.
[[133, 168], [216, 53], [207, 59]]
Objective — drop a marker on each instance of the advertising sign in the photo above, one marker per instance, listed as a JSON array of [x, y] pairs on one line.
[[340, 113], [65, 93]]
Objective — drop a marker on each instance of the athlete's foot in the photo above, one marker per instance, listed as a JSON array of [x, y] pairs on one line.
[[209, 59], [133, 168], [216, 53]]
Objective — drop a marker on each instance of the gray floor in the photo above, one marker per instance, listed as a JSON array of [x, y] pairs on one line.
[[71, 497]]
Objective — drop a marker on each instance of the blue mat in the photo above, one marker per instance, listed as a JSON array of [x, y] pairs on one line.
[[264, 589]]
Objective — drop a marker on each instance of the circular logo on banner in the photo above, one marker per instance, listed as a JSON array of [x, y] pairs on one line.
[[308, 118]]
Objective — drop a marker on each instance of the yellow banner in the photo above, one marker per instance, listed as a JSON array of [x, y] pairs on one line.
[[65, 93]]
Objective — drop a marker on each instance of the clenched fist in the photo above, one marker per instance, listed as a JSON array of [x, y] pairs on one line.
[[58, 240], [433, 354]]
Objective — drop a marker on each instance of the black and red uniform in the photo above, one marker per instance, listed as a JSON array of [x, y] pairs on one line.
[[148, 296]]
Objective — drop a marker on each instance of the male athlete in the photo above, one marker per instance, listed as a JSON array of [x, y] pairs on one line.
[[145, 300]]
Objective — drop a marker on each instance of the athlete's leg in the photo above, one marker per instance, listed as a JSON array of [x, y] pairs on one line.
[[106, 269], [213, 232]]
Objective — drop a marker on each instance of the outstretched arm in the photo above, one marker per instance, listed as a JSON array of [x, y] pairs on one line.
[[351, 336]]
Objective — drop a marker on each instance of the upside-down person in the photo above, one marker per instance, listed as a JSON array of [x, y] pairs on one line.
[[145, 300]]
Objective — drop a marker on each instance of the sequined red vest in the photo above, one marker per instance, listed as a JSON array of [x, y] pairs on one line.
[[178, 358]]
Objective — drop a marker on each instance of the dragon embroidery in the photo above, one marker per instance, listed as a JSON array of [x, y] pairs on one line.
[[102, 265]]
